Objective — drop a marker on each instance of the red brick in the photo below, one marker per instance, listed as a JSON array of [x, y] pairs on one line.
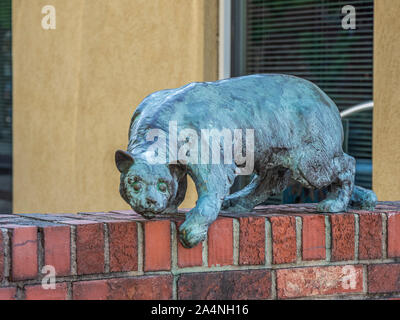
[[252, 241], [157, 249], [90, 290], [8, 293], [225, 285], [36, 292], [393, 235], [220, 242], [283, 239], [2, 254], [123, 246], [313, 237], [189, 257], [90, 248], [138, 288], [24, 253], [317, 281], [384, 278], [57, 248], [370, 236], [343, 233]]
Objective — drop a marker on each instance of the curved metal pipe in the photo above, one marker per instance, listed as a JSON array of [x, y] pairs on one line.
[[357, 108]]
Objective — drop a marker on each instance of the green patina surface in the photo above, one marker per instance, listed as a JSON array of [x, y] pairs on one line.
[[298, 136]]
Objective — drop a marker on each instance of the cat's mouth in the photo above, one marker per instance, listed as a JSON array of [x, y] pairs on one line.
[[151, 214]]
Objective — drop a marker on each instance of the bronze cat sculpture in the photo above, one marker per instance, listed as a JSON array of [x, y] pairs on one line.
[[297, 135]]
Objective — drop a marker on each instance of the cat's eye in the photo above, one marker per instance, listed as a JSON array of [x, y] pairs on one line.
[[137, 186], [162, 186]]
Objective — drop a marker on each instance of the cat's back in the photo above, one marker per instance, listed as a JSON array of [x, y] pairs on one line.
[[290, 104], [256, 93]]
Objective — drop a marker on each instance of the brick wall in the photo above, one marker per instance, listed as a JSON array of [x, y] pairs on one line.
[[275, 252]]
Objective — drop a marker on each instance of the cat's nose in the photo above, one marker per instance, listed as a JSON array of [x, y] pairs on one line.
[[150, 201]]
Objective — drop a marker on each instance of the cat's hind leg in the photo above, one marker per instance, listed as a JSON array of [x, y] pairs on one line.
[[341, 188], [314, 171]]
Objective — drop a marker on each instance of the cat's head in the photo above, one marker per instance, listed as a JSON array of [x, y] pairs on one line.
[[150, 189]]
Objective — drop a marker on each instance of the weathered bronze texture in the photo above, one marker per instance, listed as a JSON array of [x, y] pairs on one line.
[[298, 136]]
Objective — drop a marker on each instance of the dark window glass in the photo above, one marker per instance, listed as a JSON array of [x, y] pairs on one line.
[[5, 106]]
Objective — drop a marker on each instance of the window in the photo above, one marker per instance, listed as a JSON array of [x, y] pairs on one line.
[[305, 38], [5, 106]]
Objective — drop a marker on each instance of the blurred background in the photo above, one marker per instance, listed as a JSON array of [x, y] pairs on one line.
[[306, 39], [67, 94]]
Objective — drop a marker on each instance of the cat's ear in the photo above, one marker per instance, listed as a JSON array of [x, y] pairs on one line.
[[123, 160], [178, 170]]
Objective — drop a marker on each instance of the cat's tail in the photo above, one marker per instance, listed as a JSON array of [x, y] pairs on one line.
[[363, 199]]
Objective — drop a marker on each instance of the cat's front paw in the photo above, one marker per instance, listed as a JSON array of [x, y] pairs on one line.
[[191, 233], [236, 206], [331, 205]]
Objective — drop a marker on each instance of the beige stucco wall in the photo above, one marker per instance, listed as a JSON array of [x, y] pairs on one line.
[[76, 87], [386, 128]]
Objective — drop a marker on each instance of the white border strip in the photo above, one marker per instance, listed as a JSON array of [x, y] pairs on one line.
[[224, 63]]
